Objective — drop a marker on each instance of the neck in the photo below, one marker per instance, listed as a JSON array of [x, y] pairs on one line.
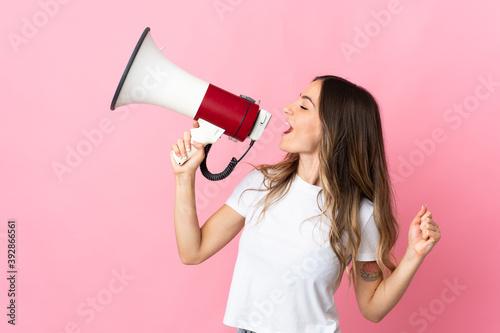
[[308, 169]]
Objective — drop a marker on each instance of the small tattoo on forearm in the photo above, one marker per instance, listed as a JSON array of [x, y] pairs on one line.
[[370, 271]]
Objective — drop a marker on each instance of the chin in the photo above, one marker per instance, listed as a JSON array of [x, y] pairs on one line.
[[285, 149], [282, 147]]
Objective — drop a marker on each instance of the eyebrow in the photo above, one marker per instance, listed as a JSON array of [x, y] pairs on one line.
[[309, 98]]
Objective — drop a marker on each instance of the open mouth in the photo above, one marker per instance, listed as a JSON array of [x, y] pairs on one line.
[[290, 129]]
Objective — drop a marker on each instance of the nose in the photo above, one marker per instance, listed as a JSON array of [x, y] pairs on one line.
[[288, 109]]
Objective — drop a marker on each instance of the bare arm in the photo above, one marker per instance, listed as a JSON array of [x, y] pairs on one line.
[[377, 297], [196, 244]]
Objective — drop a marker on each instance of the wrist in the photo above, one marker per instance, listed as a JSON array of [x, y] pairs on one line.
[[184, 178], [413, 257]]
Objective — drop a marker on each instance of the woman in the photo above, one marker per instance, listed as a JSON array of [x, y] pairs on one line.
[[306, 217]]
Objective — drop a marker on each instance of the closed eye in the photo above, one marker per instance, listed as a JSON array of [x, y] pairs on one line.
[[303, 108]]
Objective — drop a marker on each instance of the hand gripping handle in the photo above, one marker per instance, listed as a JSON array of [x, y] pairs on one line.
[[207, 133]]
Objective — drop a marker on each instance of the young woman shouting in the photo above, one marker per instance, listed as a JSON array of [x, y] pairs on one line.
[[327, 206]]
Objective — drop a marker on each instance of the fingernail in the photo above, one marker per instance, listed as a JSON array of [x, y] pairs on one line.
[[188, 149]]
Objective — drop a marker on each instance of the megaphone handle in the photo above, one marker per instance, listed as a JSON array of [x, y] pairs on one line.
[[207, 133], [182, 160]]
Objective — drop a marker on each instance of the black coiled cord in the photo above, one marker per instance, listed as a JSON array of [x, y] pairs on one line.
[[220, 176]]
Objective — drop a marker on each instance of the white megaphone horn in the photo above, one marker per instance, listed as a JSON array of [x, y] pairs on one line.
[[150, 78]]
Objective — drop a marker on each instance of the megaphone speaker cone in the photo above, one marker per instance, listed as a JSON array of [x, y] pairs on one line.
[[150, 78], [127, 69]]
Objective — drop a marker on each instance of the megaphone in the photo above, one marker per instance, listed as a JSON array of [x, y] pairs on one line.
[[150, 78]]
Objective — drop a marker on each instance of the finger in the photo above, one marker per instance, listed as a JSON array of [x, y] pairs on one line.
[[424, 221], [427, 217], [172, 159], [432, 238], [434, 224], [425, 234], [428, 227], [423, 225], [428, 223], [196, 124], [197, 145], [436, 236], [429, 244], [417, 218], [431, 227], [182, 148], [434, 233], [423, 210], [176, 150], [187, 140]]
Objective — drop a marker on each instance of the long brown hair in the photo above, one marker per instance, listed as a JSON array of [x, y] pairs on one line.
[[352, 167]]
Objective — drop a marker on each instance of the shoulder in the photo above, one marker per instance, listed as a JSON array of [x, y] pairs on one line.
[[252, 180], [365, 211], [370, 234], [254, 177]]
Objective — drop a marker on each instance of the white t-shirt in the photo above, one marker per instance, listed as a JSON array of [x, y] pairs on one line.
[[284, 277]]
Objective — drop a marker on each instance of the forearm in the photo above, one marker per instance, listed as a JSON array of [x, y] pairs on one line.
[[187, 228], [392, 289], [423, 235]]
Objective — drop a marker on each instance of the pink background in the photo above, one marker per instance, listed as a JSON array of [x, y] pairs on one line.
[[111, 212]]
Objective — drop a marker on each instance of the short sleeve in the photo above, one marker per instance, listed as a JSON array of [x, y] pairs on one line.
[[241, 200], [369, 233]]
